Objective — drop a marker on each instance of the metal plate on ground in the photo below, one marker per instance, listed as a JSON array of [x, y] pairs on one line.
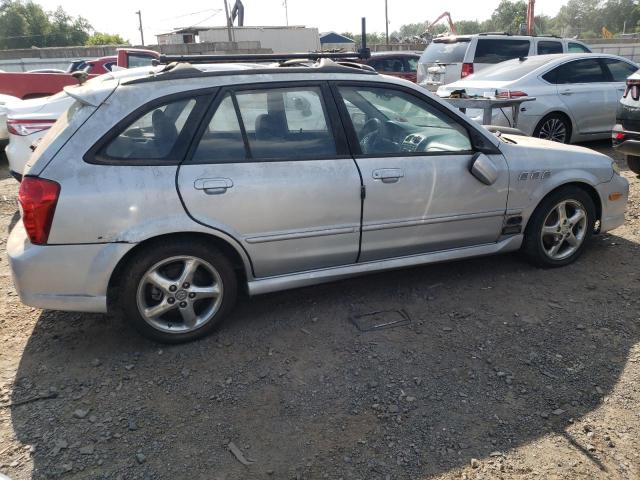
[[381, 320]]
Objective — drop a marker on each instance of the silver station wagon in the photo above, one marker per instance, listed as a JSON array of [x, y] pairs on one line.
[[165, 192]]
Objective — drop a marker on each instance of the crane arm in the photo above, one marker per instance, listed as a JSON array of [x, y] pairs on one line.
[[452, 25]]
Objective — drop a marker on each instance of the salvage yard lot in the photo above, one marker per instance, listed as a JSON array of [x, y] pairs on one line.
[[506, 371]]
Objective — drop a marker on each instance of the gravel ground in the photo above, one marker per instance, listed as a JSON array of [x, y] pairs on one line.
[[505, 371]]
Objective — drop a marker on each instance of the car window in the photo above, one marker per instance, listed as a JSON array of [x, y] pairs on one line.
[[548, 47], [412, 64], [581, 71], [222, 140], [490, 50], [577, 48], [619, 70], [289, 123], [138, 60], [388, 64], [445, 51], [388, 121], [154, 134]]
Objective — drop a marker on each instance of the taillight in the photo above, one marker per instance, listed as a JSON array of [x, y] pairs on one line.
[[38, 198], [633, 87], [618, 134], [23, 128], [467, 69], [511, 94]]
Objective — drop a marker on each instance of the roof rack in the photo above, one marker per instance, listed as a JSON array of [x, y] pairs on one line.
[[363, 53], [494, 33], [548, 36]]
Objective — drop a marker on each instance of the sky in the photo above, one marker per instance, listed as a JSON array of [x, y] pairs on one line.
[[118, 16]]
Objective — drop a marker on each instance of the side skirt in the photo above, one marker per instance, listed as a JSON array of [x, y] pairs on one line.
[[314, 277]]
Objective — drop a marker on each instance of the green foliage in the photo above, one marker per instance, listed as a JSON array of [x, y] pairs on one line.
[[25, 24], [101, 38]]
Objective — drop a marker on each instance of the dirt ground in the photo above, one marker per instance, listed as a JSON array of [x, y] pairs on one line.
[[505, 371]]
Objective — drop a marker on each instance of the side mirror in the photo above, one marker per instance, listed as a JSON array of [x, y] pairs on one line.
[[484, 169]]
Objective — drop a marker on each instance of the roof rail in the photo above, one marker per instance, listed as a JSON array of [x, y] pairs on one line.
[[494, 33], [363, 53], [548, 35]]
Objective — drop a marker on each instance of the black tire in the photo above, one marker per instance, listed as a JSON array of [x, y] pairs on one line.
[[147, 258], [539, 131], [634, 164], [533, 246]]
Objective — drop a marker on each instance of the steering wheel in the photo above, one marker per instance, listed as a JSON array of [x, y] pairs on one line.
[[370, 133]]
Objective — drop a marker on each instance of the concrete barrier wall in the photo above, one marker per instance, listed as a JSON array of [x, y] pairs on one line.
[[36, 58], [624, 49]]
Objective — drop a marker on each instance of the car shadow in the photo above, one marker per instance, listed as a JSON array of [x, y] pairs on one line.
[[497, 354]]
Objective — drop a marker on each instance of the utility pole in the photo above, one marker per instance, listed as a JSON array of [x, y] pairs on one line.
[[386, 20], [139, 13], [226, 11], [286, 12]]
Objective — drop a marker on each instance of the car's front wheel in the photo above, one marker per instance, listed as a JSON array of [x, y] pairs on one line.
[[554, 127], [178, 292], [560, 227]]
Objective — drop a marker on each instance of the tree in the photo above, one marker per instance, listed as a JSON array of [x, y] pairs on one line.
[[509, 16], [101, 38], [468, 27]]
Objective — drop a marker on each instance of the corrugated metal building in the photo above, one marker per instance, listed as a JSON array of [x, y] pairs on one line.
[[335, 41]]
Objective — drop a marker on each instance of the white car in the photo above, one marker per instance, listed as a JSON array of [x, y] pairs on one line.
[[448, 59], [576, 95], [5, 101], [27, 122]]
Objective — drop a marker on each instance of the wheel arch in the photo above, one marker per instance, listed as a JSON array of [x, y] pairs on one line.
[[564, 113], [584, 186], [238, 259]]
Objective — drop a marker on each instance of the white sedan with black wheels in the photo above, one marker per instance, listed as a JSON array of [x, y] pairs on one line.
[[576, 95]]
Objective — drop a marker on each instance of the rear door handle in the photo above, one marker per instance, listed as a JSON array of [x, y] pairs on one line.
[[566, 92], [388, 175], [213, 186]]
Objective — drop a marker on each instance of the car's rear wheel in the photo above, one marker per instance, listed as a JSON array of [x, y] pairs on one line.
[[634, 164], [555, 127], [560, 228], [178, 292]]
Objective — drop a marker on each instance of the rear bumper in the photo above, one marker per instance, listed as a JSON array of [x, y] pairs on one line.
[[62, 277], [613, 210], [630, 144]]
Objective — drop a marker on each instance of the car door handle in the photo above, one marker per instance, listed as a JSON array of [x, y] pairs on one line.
[[388, 175], [566, 92], [213, 186]]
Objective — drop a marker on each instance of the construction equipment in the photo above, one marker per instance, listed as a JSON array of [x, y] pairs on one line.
[[531, 18], [452, 27]]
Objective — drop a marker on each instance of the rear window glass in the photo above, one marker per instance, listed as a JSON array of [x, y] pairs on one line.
[[490, 50], [445, 52], [510, 70]]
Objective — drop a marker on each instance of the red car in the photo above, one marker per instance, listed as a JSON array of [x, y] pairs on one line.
[[35, 85], [397, 64]]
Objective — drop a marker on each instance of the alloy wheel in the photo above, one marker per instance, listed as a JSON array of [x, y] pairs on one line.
[[179, 294], [564, 230], [553, 129]]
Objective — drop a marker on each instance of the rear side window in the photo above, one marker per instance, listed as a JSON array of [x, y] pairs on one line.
[[577, 48], [390, 64], [412, 64], [278, 124], [489, 50], [619, 70], [549, 47], [154, 135], [581, 71], [445, 52]]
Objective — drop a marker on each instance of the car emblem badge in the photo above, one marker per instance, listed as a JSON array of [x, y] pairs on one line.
[[181, 295]]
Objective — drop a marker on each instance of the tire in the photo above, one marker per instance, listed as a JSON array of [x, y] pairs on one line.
[[634, 164], [554, 122], [178, 282], [539, 248]]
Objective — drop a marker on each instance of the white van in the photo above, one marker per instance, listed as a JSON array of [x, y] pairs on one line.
[[447, 59]]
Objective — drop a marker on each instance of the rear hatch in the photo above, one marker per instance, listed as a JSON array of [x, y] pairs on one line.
[[441, 62]]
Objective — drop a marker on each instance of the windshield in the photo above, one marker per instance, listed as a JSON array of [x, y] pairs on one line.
[[510, 70], [445, 51]]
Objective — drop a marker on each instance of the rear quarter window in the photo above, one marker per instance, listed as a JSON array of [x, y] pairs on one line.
[[496, 50], [574, 47]]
